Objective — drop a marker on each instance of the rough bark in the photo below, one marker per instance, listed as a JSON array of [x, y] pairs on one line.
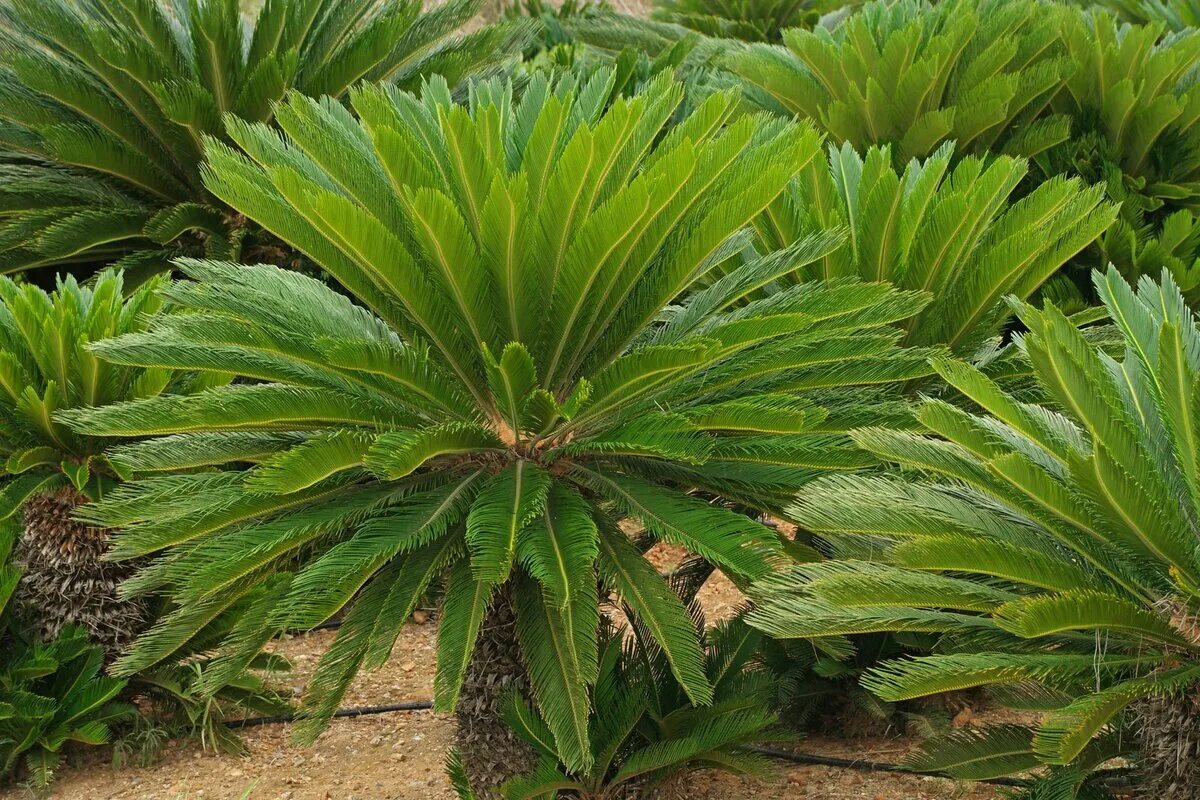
[[64, 579], [1170, 744], [491, 753]]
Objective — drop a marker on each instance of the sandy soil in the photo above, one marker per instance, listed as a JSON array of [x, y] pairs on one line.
[[399, 756]]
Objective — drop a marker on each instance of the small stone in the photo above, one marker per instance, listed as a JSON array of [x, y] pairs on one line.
[[375, 742], [963, 718], [420, 617], [408, 666]]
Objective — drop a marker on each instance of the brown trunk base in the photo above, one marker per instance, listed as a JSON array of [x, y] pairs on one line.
[[1170, 744], [491, 753], [64, 579]]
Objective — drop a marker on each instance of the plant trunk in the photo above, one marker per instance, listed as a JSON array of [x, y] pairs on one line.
[[1170, 745], [491, 753], [64, 579]]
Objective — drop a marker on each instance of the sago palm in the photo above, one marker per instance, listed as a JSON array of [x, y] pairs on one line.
[[962, 232], [51, 694], [1172, 244], [914, 75], [1134, 102], [647, 731], [1134, 106], [46, 470], [1053, 547], [1177, 15], [749, 20], [552, 337], [104, 105]]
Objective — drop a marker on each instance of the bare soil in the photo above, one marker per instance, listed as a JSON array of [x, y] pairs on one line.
[[398, 756]]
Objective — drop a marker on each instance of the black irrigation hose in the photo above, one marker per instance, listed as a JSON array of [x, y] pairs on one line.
[[341, 713], [785, 755], [330, 625], [861, 765]]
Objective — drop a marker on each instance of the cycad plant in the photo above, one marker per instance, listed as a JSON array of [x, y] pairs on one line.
[[46, 470], [1134, 102], [1177, 15], [914, 75], [104, 105], [1172, 244], [1052, 547], [962, 232], [647, 732], [748, 20], [50, 693], [552, 337]]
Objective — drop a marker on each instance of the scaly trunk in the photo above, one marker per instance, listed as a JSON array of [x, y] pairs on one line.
[[491, 753], [1170, 745], [64, 579]]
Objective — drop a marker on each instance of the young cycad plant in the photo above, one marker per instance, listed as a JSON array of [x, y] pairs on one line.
[[1053, 547], [46, 470], [1135, 110], [104, 105], [647, 731], [1176, 15], [914, 75], [959, 232], [1134, 102], [1148, 249], [749, 20], [50, 693], [554, 337]]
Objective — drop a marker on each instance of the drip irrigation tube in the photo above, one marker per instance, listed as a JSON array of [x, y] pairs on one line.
[[783, 755], [341, 713], [861, 765]]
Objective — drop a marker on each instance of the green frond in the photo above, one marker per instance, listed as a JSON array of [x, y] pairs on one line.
[[560, 654], [982, 754], [502, 509], [658, 609]]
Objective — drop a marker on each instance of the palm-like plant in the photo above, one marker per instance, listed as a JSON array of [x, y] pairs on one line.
[[554, 338], [1053, 548], [914, 75], [1177, 15], [1134, 101], [647, 731], [958, 232], [50, 694], [749, 20], [104, 105], [46, 470], [1134, 105], [1148, 249]]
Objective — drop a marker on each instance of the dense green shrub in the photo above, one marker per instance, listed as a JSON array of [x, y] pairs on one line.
[[957, 230], [51, 693], [913, 75], [553, 334], [1052, 547], [749, 20], [104, 105]]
